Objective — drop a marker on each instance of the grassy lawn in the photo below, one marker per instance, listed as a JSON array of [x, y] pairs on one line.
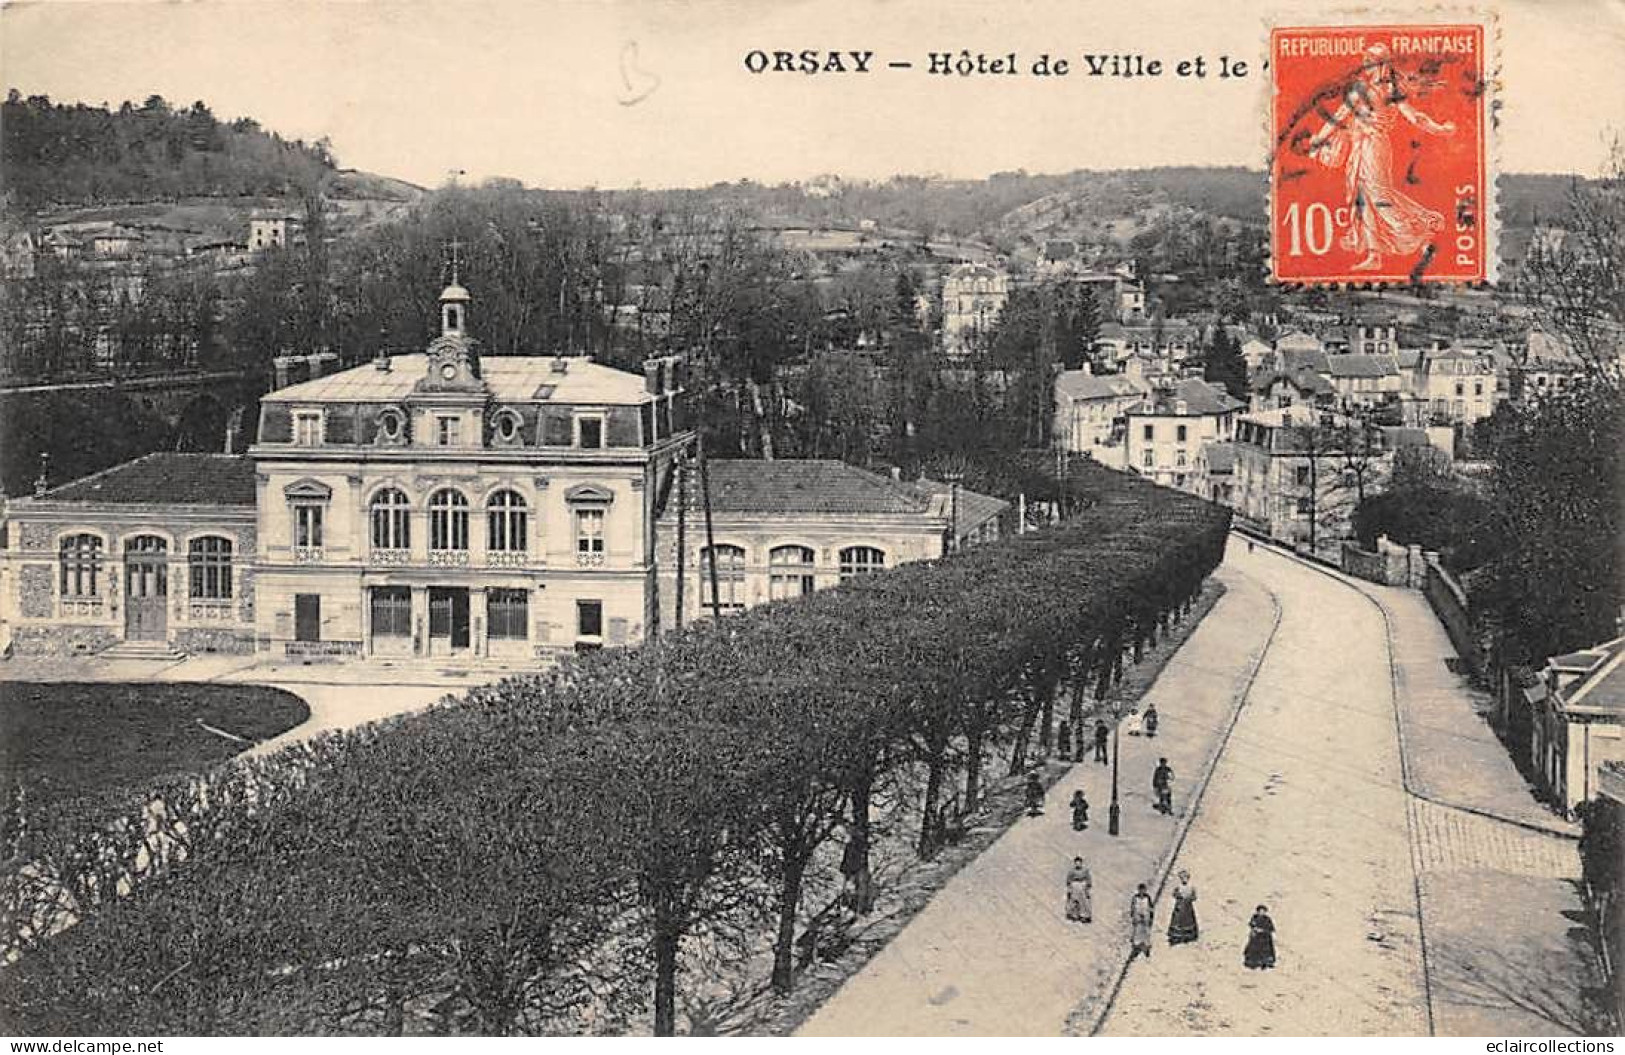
[[61, 740]]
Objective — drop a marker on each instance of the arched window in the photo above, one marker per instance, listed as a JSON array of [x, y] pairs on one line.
[[861, 560], [730, 577], [81, 566], [448, 520], [391, 520], [505, 522], [208, 562], [790, 571]]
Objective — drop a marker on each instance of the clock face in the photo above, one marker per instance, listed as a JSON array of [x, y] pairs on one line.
[[449, 371]]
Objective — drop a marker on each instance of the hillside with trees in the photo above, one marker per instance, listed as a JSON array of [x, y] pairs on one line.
[[54, 154]]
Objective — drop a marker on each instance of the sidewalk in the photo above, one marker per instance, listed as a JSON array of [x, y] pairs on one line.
[[1454, 757], [993, 954]]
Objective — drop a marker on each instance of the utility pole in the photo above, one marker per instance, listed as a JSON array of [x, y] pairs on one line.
[[710, 535], [682, 531], [953, 514]]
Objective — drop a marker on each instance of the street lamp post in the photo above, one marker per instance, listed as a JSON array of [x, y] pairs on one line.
[[953, 515], [1114, 815]]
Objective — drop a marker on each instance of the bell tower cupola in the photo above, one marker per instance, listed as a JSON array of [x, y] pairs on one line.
[[454, 300]]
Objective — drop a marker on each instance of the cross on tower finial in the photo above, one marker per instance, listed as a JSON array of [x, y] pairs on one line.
[[454, 246]]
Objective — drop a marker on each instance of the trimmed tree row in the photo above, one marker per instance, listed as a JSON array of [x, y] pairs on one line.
[[548, 853]]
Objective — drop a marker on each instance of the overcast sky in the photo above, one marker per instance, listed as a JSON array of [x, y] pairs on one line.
[[656, 92]]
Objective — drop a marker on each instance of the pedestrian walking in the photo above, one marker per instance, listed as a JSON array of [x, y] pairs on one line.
[[1063, 740], [1080, 811], [1102, 734], [1079, 888], [1140, 913], [1260, 951], [1249, 545], [1182, 923], [1035, 795], [1162, 782], [1149, 720]]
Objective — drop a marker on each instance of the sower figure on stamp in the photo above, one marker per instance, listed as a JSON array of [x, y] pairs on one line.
[[1079, 888], [1140, 918], [1162, 782], [1358, 139], [1102, 734]]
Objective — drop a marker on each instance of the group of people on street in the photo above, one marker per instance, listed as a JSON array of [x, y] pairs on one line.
[[1182, 925], [1259, 952]]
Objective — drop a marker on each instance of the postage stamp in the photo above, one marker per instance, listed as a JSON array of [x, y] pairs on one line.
[[1380, 171]]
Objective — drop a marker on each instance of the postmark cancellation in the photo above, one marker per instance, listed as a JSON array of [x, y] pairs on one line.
[[1382, 160]]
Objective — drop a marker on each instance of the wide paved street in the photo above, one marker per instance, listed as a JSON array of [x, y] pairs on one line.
[[993, 954], [1307, 812]]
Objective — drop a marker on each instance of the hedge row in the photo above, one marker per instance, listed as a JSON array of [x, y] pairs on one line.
[[540, 856]]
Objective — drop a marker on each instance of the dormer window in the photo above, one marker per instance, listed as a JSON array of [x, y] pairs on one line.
[[448, 431], [590, 432], [506, 427], [307, 428], [391, 426]]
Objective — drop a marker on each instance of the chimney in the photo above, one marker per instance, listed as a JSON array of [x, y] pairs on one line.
[[234, 429], [282, 367], [561, 365], [653, 376], [42, 482], [319, 362]]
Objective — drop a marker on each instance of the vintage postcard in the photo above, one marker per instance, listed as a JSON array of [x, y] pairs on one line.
[[760, 518]]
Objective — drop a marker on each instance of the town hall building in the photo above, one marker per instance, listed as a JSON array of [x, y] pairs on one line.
[[442, 506]]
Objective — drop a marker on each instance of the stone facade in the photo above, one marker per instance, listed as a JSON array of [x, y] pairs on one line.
[[449, 507], [86, 569]]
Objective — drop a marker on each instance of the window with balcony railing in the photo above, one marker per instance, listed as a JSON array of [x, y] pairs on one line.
[[506, 528], [448, 526], [391, 521], [589, 537]]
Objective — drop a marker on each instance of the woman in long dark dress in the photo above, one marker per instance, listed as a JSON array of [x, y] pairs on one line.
[[1260, 951], [1182, 924], [1080, 811]]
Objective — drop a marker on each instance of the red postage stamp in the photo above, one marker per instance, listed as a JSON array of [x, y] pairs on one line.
[[1380, 171]]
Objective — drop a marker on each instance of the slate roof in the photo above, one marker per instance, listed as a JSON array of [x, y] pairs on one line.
[[817, 486], [1221, 457], [1199, 397], [1075, 384], [1358, 365], [1304, 379], [1303, 359], [167, 479], [511, 379], [1602, 688], [975, 508]]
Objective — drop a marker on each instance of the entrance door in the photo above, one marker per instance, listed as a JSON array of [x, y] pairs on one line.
[[391, 620], [448, 619], [146, 589], [307, 617]]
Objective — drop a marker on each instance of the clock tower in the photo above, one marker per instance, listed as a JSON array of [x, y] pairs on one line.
[[454, 360]]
